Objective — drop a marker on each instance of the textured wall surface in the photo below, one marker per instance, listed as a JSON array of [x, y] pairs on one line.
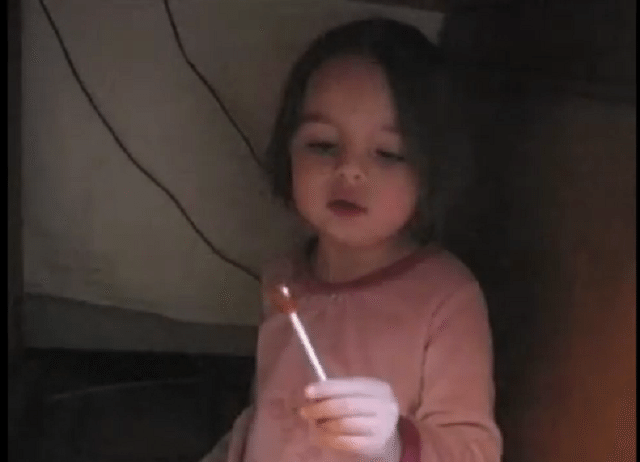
[[96, 229]]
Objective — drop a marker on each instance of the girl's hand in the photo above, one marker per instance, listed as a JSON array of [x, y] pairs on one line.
[[358, 415]]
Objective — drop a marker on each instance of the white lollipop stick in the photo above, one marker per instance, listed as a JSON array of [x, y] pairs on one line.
[[289, 308], [304, 339]]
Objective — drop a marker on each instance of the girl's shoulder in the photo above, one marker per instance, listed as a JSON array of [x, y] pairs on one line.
[[437, 276], [442, 265]]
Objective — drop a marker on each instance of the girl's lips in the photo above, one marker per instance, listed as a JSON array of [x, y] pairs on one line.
[[345, 208]]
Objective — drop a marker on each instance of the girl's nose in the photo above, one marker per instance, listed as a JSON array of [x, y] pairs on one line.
[[350, 169]]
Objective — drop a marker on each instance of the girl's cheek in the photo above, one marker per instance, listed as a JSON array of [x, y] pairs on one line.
[[300, 165]]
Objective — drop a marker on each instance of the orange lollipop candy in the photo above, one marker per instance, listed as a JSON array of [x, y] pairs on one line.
[[281, 298]]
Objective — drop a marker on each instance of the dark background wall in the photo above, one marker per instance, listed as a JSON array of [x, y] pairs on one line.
[[549, 225]]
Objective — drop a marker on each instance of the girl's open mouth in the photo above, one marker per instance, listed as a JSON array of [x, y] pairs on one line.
[[345, 208]]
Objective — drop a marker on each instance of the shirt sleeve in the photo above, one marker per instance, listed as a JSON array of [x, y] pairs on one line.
[[455, 418]]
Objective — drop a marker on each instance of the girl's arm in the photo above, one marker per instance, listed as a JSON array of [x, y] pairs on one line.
[[455, 419]]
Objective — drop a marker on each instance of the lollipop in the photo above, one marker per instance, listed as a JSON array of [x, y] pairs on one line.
[[282, 299]]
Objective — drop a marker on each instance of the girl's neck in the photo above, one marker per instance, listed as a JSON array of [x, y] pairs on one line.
[[335, 262]]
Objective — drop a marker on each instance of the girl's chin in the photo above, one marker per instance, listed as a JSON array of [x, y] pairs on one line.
[[345, 233], [351, 240]]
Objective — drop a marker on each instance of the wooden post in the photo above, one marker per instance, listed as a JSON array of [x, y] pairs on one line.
[[550, 93]]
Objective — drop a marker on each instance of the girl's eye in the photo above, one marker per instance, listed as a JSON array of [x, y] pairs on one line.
[[390, 156], [321, 147]]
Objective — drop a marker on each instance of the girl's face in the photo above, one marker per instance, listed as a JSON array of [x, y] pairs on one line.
[[351, 180]]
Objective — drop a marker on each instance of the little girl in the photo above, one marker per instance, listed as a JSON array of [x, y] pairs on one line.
[[399, 324]]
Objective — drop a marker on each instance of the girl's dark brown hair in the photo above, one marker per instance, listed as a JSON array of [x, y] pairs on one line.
[[415, 70]]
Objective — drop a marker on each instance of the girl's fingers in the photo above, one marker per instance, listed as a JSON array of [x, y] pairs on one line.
[[362, 386], [350, 443], [342, 407], [348, 426]]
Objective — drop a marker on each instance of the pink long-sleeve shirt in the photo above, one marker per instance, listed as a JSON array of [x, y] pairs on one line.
[[419, 324]]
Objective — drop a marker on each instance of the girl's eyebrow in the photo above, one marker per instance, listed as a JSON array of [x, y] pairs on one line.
[[316, 117]]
